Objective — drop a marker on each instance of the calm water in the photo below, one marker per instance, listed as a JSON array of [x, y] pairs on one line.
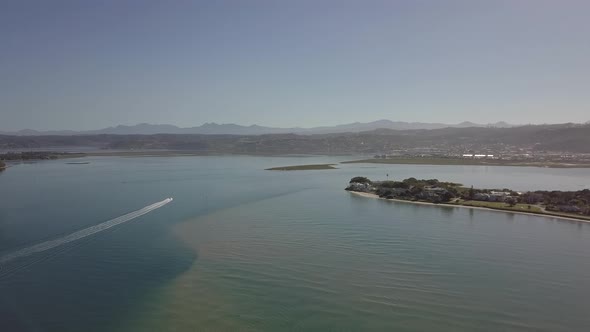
[[241, 248]]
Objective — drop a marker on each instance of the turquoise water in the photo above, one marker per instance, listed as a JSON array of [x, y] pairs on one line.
[[243, 248]]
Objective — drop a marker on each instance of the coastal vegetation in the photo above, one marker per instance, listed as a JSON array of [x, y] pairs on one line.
[[571, 204], [302, 167], [2, 166], [38, 155]]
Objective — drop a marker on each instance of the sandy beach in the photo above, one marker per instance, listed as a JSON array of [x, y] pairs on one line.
[[369, 195]]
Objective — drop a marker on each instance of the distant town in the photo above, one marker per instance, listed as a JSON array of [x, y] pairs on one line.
[[500, 153]]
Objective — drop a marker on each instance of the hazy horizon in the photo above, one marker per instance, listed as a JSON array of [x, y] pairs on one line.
[[283, 127], [69, 65]]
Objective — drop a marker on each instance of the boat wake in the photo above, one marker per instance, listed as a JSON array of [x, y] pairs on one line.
[[81, 233]]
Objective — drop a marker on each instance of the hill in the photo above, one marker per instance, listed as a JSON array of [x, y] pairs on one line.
[[564, 138]]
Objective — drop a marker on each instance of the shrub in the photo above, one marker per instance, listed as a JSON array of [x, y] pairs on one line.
[[394, 184]]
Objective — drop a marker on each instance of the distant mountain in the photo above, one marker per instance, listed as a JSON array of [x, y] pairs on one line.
[[234, 129], [139, 129], [556, 138]]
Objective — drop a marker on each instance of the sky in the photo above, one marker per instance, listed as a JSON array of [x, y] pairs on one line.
[[91, 64]]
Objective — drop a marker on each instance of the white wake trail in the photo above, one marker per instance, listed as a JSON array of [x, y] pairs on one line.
[[82, 233]]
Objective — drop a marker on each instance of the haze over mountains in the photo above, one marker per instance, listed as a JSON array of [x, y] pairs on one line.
[[234, 129], [559, 138]]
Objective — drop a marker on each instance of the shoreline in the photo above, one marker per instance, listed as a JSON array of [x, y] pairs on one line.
[[390, 161], [183, 153], [370, 195], [468, 162]]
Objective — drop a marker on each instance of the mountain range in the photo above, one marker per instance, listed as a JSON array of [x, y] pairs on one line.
[[557, 138], [234, 129]]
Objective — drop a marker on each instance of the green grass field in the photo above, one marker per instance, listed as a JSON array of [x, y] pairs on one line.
[[520, 208], [503, 206]]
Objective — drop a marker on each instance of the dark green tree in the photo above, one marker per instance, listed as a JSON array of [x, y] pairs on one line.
[[446, 196], [360, 179], [411, 181]]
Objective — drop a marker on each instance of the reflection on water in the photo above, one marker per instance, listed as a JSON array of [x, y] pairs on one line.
[[447, 211]]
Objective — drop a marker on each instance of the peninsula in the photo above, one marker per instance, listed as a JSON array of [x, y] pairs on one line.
[[559, 204]]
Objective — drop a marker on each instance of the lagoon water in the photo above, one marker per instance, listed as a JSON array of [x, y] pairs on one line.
[[245, 249]]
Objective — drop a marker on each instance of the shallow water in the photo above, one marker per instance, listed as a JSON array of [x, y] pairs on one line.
[[241, 248]]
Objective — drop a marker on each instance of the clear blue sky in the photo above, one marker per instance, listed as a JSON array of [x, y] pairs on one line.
[[91, 64]]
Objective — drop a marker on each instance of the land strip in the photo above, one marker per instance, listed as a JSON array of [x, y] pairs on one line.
[[468, 162], [302, 167]]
